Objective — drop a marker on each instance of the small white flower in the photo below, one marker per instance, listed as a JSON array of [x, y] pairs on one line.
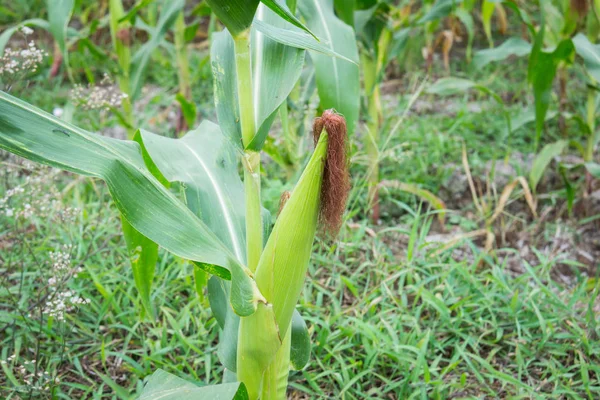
[[10, 212], [58, 112], [26, 30]]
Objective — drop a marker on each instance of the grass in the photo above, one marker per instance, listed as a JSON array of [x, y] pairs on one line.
[[390, 317]]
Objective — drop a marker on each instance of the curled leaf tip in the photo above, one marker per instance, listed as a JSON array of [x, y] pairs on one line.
[[336, 176]]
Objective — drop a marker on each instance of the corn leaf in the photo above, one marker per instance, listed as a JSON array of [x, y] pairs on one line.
[[276, 69], [139, 62], [164, 386], [142, 200], [205, 164], [590, 54], [450, 85], [337, 80], [236, 15], [59, 14]]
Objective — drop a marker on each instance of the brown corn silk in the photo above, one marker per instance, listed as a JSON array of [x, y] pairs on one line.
[[336, 176]]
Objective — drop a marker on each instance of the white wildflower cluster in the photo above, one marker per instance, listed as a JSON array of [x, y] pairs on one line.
[[36, 380], [61, 301], [104, 96], [37, 196], [21, 61]]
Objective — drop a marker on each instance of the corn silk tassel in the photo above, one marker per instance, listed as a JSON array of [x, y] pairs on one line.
[[318, 200]]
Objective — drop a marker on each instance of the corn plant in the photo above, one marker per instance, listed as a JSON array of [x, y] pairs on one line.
[[185, 195]]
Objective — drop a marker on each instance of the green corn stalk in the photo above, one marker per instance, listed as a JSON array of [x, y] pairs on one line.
[[188, 110]]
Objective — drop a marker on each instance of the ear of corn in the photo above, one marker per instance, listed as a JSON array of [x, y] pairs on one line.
[[280, 276]]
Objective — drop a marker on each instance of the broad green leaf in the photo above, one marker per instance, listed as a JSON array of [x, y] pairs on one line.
[[142, 200], [204, 162], [449, 86], [543, 159], [236, 15], [200, 282], [59, 14], [143, 255], [441, 8], [275, 70], [512, 47], [139, 62], [164, 386], [281, 9], [590, 54], [338, 81], [300, 348]]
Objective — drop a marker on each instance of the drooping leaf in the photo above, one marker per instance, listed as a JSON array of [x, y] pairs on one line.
[[143, 255], [543, 159], [512, 47], [205, 163], [590, 54], [59, 14], [236, 15], [139, 62], [338, 81], [165, 386], [142, 200]]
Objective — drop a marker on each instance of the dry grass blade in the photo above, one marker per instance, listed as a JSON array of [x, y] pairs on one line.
[[465, 161], [508, 189]]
